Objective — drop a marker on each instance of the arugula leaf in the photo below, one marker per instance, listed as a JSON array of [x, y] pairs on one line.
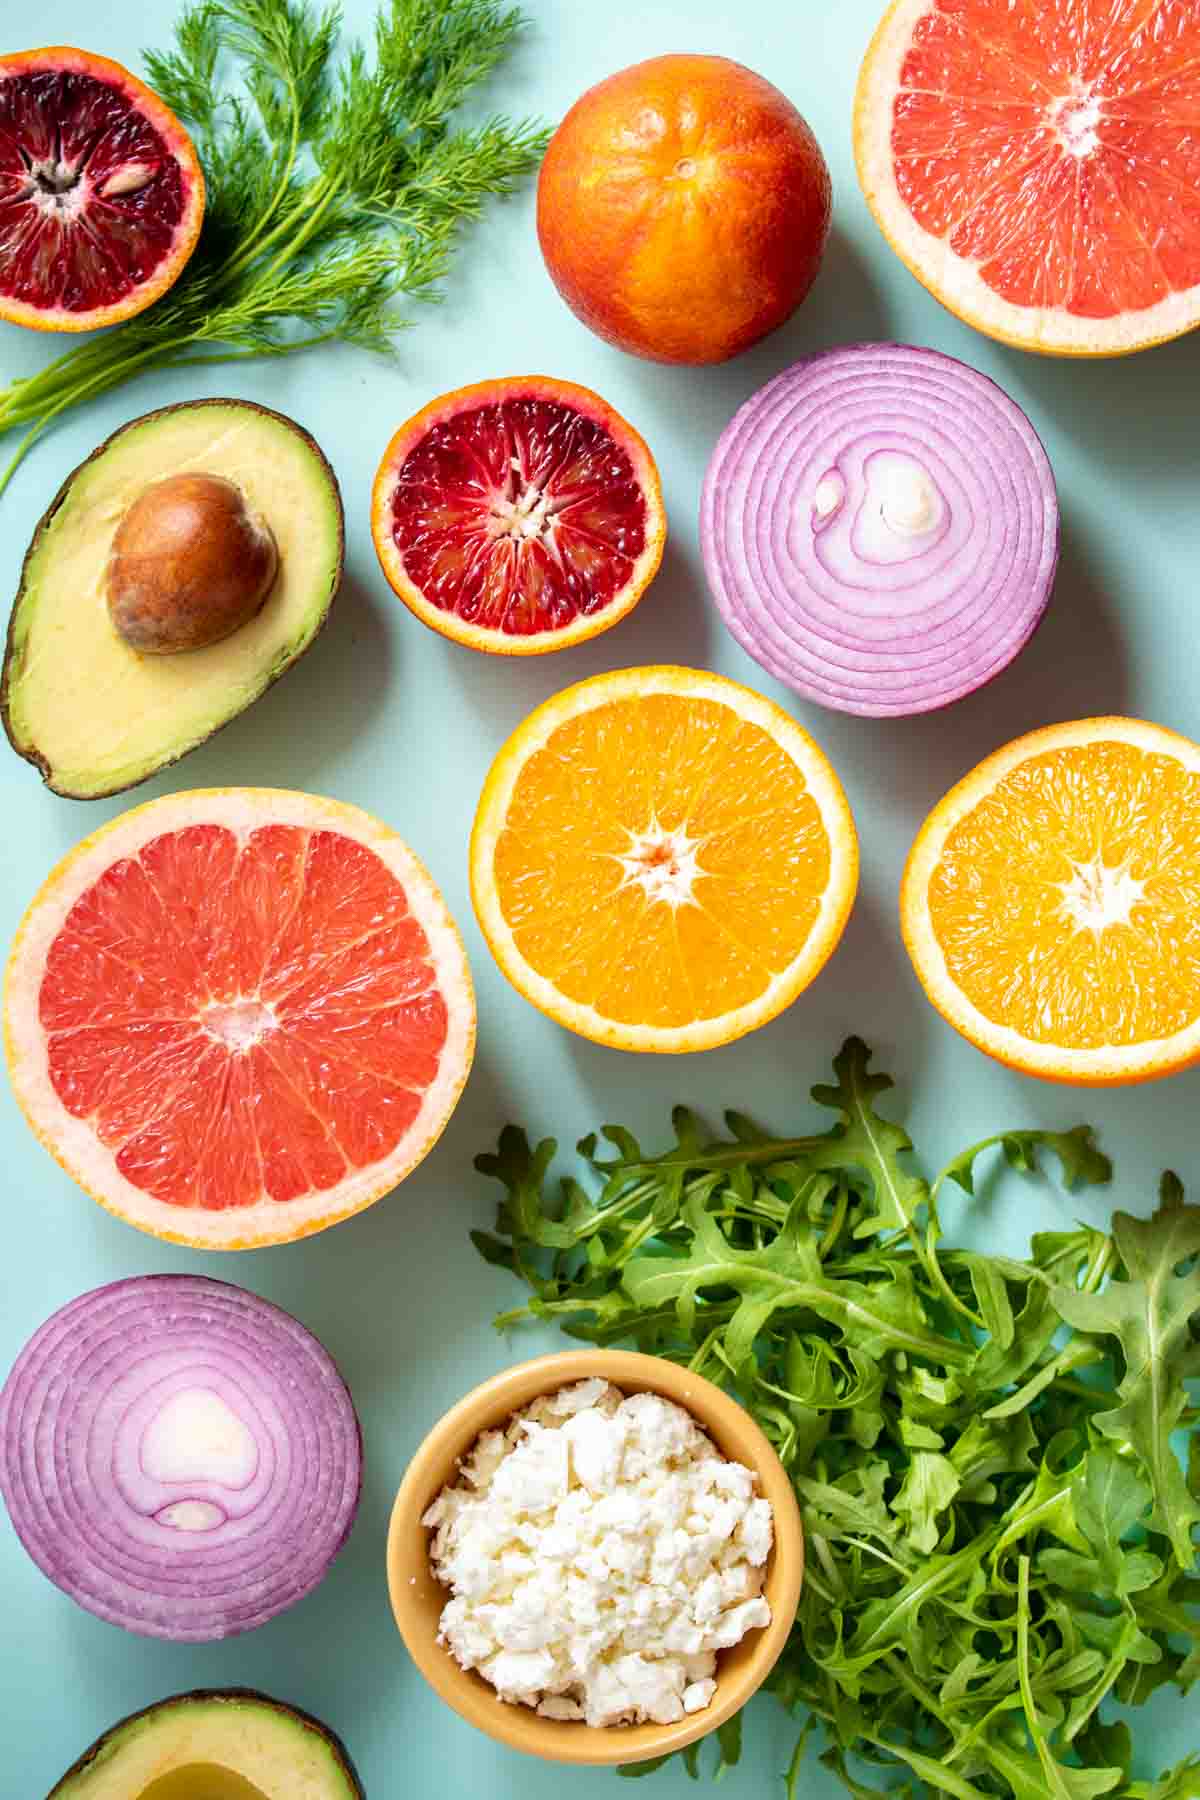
[[1082, 1163], [926, 1491], [879, 1316], [523, 1172], [987, 1561], [1111, 1500], [870, 1142], [1062, 1782], [1107, 1744], [1180, 1783], [1149, 1310]]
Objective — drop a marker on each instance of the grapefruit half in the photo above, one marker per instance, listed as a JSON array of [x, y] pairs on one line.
[[238, 1015], [101, 195], [1036, 163], [519, 516]]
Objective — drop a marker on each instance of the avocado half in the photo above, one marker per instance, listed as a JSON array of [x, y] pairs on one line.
[[215, 1744], [96, 716]]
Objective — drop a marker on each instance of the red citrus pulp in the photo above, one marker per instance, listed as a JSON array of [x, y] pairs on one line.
[[236, 1016], [1036, 163], [518, 516], [101, 195]]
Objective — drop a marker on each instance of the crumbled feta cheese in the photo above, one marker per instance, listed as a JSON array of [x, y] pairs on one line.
[[600, 1551], [697, 1696]]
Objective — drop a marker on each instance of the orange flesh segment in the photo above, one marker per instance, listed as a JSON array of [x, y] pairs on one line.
[[1114, 822], [1057, 147], [690, 766], [240, 1021]]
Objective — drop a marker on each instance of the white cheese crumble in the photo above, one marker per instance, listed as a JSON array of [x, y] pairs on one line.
[[599, 1552]]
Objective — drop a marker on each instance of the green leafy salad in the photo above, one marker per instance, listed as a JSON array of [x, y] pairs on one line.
[[1001, 1531]]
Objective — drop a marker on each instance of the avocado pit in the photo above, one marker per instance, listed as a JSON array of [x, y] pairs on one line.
[[190, 565], [202, 1781]]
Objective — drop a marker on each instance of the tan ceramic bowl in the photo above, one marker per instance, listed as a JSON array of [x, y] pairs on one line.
[[418, 1597]]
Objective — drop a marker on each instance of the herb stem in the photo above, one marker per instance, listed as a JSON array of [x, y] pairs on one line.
[[1023, 1675], [917, 1688], [227, 356], [255, 242], [1099, 1268], [105, 378], [319, 199], [833, 1230]]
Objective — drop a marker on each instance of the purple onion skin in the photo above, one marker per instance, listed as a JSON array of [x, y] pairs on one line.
[[83, 1501], [948, 605], [235, 1697]]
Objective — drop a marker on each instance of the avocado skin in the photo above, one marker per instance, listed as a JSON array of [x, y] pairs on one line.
[[295, 1714], [31, 754]]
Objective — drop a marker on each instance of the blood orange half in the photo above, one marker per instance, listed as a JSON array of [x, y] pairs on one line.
[[101, 195], [236, 1016], [518, 516], [1036, 163]]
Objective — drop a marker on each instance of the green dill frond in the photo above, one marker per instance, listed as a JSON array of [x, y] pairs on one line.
[[434, 55], [455, 181], [243, 175], [185, 78], [286, 49], [336, 185]]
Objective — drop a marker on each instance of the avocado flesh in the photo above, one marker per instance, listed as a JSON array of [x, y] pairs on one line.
[[95, 715], [232, 1745]]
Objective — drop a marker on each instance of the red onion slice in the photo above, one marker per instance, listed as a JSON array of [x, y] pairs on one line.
[[179, 1456], [880, 528]]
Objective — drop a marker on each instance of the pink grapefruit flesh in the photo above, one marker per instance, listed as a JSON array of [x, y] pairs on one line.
[[237, 1016]]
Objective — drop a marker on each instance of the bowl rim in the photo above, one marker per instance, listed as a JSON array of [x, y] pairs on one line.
[[490, 1404]]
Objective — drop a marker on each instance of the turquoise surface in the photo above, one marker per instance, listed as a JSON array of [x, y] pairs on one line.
[[386, 714]]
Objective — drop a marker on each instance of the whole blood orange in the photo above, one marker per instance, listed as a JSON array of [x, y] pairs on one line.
[[238, 1015], [683, 207], [101, 195], [519, 515], [1036, 163]]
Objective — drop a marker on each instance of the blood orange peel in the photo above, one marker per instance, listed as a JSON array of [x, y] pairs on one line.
[[101, 192], [1036, 166], [239, 1015], [683, 208], [518, 516]]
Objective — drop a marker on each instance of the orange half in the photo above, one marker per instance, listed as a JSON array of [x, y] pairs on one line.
[[101, 192], [1036, 163], [1051, 903], [662, 859], [518, 516]]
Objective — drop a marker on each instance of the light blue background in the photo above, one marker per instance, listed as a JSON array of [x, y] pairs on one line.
[[386, 714]]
